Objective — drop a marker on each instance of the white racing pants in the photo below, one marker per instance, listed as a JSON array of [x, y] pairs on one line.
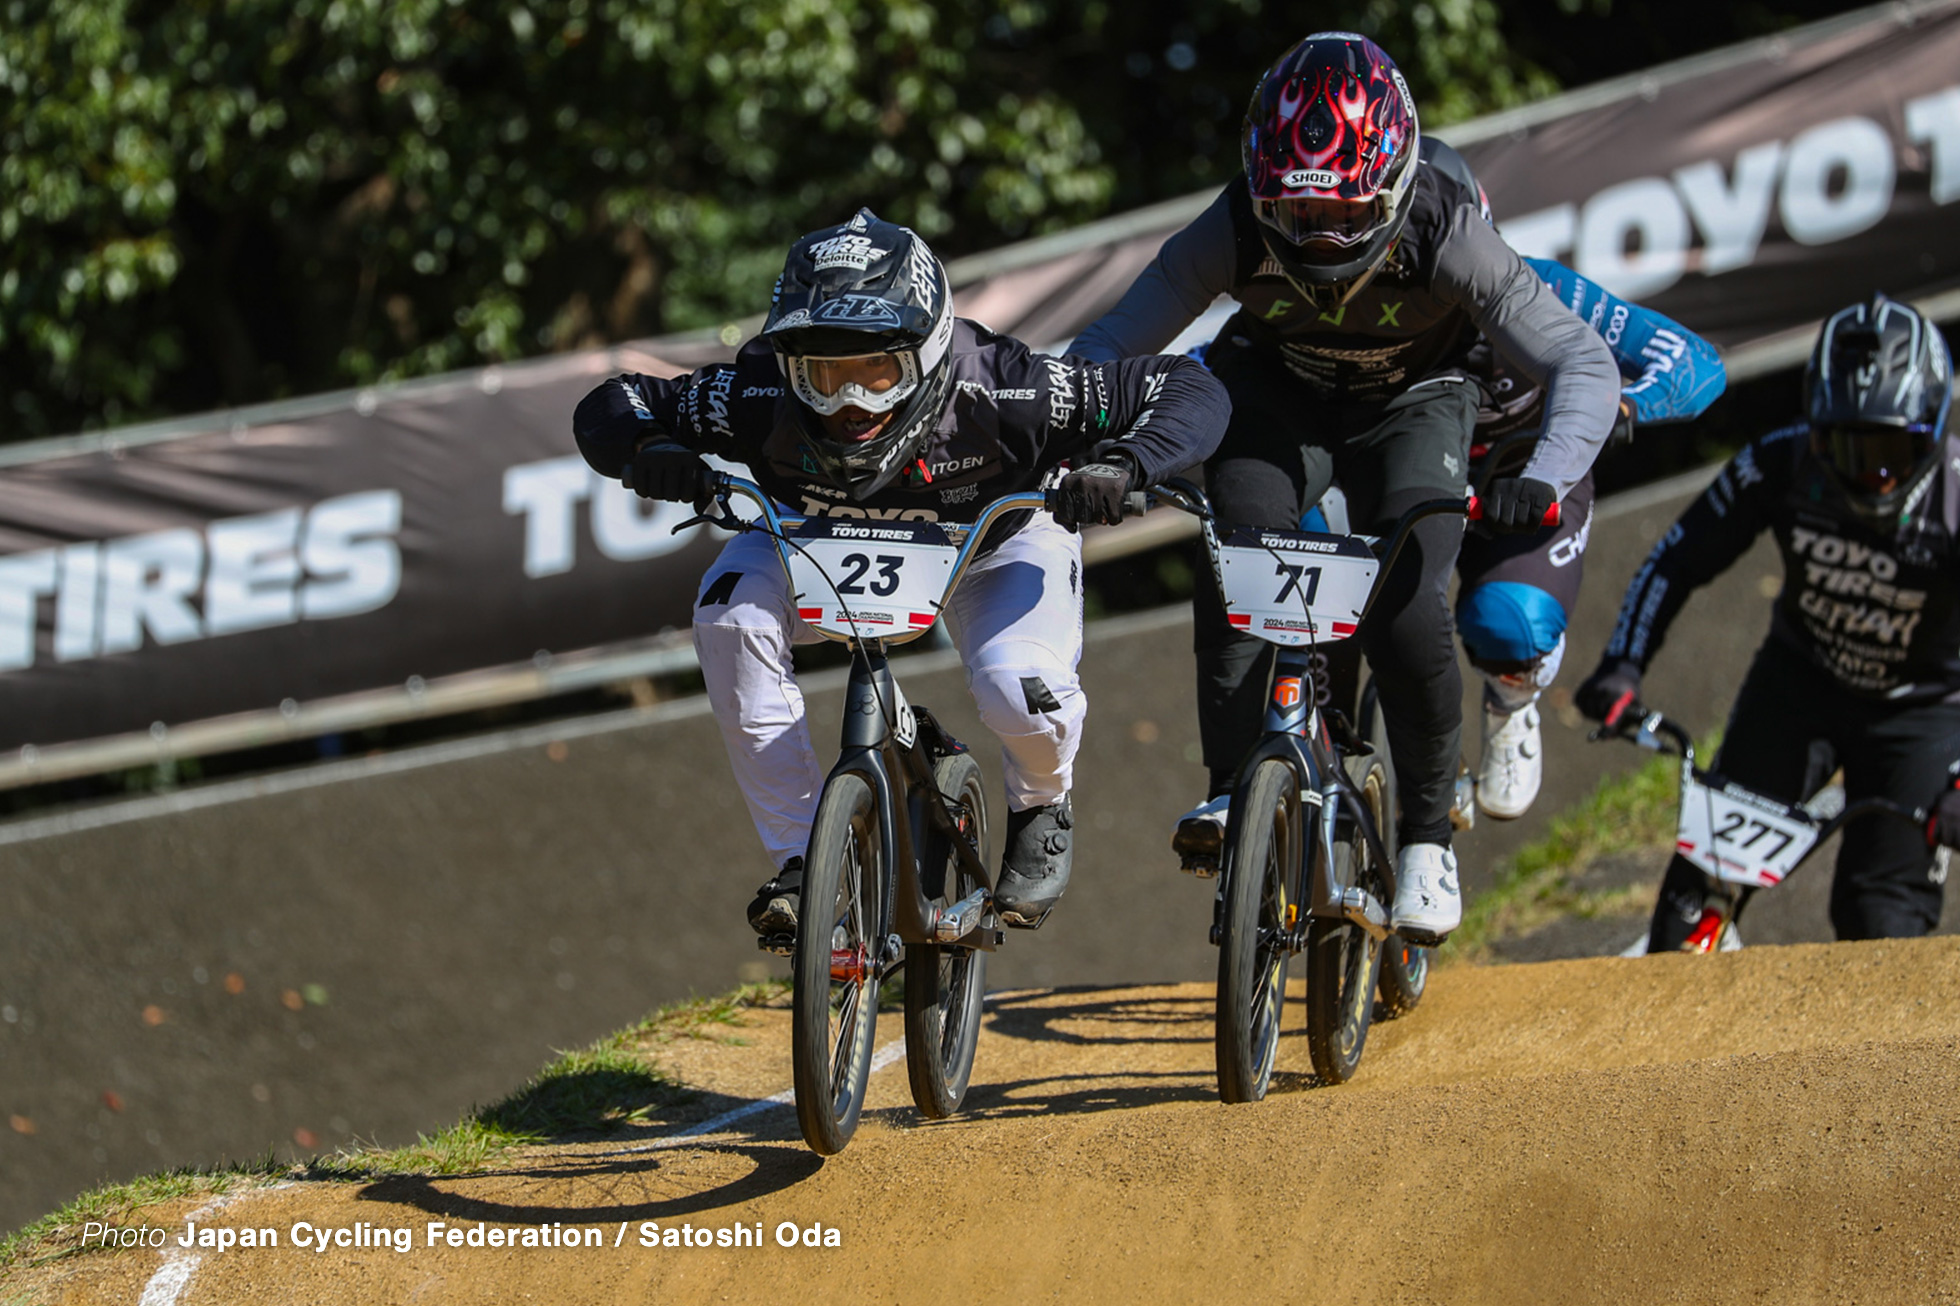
[[1016, 620]]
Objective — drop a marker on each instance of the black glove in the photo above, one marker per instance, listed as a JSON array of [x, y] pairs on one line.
[[666, 471], [1093, 494], [1517, 504], [1608, 691], [1622, 424], [1944, 828]]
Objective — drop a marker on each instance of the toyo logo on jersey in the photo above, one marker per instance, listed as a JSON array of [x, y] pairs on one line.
[[845, 252], [1850, 593]]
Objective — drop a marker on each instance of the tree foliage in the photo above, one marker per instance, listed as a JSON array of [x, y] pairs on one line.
[[216, 202]]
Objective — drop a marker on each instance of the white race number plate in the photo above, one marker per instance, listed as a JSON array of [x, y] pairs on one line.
[[872, 581], [1295, 587], [1743, 839]]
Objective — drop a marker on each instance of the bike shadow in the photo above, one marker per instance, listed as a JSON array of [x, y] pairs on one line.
[[600, 1144], [607, 1188], [1064, 1095], [1035, 1015]]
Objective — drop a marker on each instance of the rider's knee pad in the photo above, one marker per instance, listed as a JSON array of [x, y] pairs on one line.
[[1024, 688], [1507, 625]]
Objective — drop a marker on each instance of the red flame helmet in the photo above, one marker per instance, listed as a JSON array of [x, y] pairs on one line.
[[1330, 150]]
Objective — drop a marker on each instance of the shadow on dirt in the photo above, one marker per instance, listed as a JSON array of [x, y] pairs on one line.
[[1072, 1095], [1035, 1015], [620, 1185]]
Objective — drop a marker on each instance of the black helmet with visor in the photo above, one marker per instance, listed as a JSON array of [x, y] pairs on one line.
[[862, 319], [1877, 392]]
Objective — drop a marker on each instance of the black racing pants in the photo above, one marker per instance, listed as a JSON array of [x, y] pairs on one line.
[[1791, 728], [1283, 448]]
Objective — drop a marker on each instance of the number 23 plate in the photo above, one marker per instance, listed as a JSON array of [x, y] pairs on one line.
[[881, 581], [1741, 840]]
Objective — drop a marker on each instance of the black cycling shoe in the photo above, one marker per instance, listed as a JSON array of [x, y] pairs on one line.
[[1034, 869], [774, 908]]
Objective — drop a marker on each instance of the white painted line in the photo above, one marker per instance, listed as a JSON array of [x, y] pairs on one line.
[[167, 1285], [884, 1056]]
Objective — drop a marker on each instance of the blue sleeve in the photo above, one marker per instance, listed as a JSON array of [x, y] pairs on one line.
[[1672, 373]]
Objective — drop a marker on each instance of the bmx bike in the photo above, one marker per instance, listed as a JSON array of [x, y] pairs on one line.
[[1306, 857], [897, 872], [1740, 840]]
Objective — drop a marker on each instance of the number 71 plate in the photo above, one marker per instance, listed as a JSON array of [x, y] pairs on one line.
[[884, 581], [1739, 836], [1295, 587]]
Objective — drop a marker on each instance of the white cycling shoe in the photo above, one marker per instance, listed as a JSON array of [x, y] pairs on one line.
[[1513, 764], [1428, 904], [1200, 836]]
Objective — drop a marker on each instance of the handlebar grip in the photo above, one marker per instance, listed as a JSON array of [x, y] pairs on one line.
[[1474, 510]]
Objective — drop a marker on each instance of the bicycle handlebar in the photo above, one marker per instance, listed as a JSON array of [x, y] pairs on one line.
[[1475, 512], [1636, 724]]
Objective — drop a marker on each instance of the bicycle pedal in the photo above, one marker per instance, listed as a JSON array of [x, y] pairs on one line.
[[1421, 938], [783, 945], [1202, 865]]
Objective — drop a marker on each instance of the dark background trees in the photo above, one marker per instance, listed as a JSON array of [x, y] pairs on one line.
[[207, 204]]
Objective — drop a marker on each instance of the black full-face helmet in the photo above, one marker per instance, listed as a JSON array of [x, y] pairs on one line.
[[863, 318], [1877, 392], [1330, 146]]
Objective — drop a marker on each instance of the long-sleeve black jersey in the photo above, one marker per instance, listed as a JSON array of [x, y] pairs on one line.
[[1879, 612], [1449, 278], [1013, 414]]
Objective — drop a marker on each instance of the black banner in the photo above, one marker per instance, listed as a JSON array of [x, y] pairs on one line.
[[359, 543], [1758, 190], [441, 529]]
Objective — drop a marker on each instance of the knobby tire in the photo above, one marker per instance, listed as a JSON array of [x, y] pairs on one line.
[[839, 943], [944, 985], [1259, 906]]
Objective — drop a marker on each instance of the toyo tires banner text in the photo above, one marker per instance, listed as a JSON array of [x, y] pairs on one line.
[[1754, 190], [440, 529], [264, 561]]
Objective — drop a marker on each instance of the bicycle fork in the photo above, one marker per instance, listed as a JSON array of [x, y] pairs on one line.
[[1296, 733], [893, 746]]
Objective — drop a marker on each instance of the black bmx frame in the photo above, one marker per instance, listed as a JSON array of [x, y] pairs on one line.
[[1303, 737], [894, 745]]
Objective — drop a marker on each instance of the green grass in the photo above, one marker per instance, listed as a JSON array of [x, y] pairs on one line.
[[592, 1091], [111, 1203], [1624, 813]]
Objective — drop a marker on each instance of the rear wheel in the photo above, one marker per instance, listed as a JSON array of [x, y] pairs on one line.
[[944, 985], [1343, 962], [839, 943], [1259, 913], [1405, 965]]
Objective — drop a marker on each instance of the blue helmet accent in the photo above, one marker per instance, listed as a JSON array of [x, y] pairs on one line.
[[1508, 621]]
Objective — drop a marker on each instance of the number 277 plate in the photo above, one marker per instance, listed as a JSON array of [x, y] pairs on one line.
[[875, 581], [1740, 837]]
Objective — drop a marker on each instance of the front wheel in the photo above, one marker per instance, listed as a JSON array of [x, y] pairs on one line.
[[944, 985], [1260, 911], [839, 944]]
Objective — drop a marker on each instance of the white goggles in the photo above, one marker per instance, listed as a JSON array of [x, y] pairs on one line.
[[876, 383]]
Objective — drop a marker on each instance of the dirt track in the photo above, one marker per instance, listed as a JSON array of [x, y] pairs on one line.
[[1781, 1123]]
